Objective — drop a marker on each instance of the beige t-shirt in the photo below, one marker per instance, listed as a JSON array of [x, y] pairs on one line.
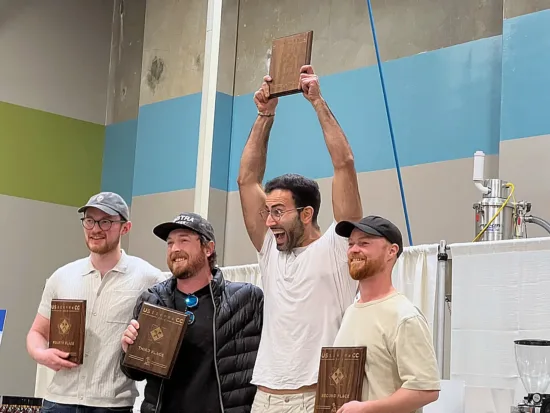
[[399, 345]]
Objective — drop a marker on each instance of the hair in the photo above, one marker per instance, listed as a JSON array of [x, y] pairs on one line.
[[212, 259], [305, 192]]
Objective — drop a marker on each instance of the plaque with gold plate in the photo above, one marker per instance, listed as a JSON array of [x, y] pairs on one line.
[[158, 342], [68, 328], [341, 374], [288, 55]]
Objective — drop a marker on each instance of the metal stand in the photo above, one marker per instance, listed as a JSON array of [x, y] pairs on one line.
[[442, 257]]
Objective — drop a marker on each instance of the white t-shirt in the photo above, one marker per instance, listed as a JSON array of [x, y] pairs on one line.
[[306, 293], [399, 345]]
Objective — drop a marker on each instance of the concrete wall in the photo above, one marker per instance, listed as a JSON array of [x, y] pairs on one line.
[[53, 94], [151, 148], [525, 124]]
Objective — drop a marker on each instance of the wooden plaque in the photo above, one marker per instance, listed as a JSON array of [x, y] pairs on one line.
[[160, 334], [341, 373], [288, 55], [68, 328]]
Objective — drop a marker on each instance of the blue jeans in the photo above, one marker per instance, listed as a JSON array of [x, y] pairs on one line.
[[50, 407]]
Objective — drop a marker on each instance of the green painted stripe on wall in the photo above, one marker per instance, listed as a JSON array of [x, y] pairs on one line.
[[48, 157]]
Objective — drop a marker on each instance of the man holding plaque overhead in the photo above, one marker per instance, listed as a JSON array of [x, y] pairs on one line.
[[213, 368], [401, 374], [108, 281], [304, 271]]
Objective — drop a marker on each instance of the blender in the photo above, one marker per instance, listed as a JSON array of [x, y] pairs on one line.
[[533, 363]]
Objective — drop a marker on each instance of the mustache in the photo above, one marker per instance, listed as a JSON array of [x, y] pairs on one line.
[[177, 255]]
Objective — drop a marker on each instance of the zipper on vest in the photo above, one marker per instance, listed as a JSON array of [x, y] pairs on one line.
[[216, 347], [161, 389]]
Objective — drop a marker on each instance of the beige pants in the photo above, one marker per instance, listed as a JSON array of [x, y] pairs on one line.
[[289, 403]]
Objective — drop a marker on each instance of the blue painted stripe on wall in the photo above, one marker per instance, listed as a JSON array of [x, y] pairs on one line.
[[118, 158], [445, 105], [526, 76], [222, 141], [167, 144]]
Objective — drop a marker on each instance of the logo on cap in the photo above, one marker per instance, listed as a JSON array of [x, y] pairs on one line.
[[184, 218], [99, 198]]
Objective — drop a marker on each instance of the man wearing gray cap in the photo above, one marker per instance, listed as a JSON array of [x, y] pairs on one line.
[[110, 281], [213, 369]]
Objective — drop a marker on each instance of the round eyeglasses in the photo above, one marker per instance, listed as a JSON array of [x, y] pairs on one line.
[[191, 301], [276, 213], [104, 224]]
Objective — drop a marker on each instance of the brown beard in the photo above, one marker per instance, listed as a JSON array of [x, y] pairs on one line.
[[194, 265], [105, 248], [365, 269], [294, 236]]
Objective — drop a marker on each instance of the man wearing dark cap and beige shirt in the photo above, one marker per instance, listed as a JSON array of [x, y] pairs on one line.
[[401, 374], [110, 281]]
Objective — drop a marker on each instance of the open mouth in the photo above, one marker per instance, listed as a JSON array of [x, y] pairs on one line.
[[279, 235]]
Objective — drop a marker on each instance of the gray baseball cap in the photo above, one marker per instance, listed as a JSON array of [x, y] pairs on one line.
[[110, 203], [186, 220]]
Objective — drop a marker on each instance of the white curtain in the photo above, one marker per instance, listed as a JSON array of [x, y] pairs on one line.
[[500, 294], [243, 273], [415, 276]]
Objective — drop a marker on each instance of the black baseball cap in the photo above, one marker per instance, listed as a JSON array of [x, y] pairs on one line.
[[373, 225], [186, 220], [108, 202]]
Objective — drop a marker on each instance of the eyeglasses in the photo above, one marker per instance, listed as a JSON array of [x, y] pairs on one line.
[[276, 213], [104, 224], [192, 302]]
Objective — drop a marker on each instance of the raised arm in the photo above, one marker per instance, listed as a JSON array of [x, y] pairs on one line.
[[252, 169], [346, 200]]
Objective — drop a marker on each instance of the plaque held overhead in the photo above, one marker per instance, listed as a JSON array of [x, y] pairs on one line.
[[288, 55]]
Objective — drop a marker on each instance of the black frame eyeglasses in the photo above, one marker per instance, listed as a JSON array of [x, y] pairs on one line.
[[104, 224], [191, 301]]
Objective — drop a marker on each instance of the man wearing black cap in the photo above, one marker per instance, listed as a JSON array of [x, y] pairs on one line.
[[214, 366], [401, 368], [110, 281]]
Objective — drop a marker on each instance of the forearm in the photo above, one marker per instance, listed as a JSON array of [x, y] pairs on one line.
[[253, 159], [35, 343], [335, 139], [402, 401]]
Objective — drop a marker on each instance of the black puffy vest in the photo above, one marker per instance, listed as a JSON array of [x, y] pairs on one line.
[[239, 318]]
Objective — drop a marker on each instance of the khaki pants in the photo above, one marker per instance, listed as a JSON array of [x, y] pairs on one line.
[[289, 403]]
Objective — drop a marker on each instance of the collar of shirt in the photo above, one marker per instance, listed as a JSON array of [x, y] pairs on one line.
[[120, 267]]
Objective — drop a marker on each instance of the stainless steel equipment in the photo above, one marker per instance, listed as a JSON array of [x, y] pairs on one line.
[[533, 363], [498, 216]]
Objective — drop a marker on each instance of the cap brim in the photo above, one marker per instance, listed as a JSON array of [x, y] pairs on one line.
[[163, 230], [103, 208], [345, 228]]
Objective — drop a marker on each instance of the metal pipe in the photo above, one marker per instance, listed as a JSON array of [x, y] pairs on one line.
[[538, 221], [442, 257]]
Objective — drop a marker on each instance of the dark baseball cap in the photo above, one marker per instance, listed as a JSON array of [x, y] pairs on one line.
[[110, 203], [186, 220], [373, 225]]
